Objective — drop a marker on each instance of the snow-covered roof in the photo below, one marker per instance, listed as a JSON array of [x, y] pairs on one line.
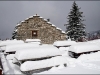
[[63, 48], [2, 48], [32, 65], [10, 56], [63, 32], [10, 42], [37, 52], [49, 22], [16, 47], [84, 47], [22, 21], [94, 41], [45, 20], [64, 43], [40, 17], [90, 57], [36, 15], [58, 28], [17, 24], [53, 25]]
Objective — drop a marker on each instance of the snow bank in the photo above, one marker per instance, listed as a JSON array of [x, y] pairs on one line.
[[37, 52], [17, 47], [10, 56], [64, 43], [33, 40], [32, 65], [4, 64], [14, 69], [84, 47]]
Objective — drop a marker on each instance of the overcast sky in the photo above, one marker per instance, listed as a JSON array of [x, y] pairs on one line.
[[11, 12]]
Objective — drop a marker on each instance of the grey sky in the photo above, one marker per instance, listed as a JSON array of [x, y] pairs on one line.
[[11, 12]]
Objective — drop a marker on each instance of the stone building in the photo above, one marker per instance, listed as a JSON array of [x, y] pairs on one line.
[[36, 27]]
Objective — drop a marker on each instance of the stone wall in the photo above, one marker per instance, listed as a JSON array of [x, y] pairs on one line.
[[42, 30]]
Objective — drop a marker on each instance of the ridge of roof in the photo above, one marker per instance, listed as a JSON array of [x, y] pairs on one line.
[[43, 19]]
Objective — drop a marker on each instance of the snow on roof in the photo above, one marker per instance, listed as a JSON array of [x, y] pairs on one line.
[[32, 40], [32, 65], [2, 48], [37, 52], [16, 30], [10, 42], [40, 17], [90, 57], [63, 48], [45, 19], [49, 22], [30, 16], [22, 21], [64, 43], [16, 47], [84, 47], [10, 56], [58, 28], [94, 41], [17, 24], [53, 25], [63, 32], [36, 15]]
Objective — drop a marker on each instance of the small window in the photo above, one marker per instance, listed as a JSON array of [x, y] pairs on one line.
[[34, 33]]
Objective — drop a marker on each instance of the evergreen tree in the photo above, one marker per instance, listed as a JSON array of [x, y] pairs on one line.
[[14, 34], [75, 29]]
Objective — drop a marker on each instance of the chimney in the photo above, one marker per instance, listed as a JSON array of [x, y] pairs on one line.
[[48, 19]]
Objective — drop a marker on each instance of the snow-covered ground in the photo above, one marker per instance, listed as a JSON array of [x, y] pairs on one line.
[[84, 64]]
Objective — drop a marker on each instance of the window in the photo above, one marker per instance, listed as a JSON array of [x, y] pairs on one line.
[[34, 33]]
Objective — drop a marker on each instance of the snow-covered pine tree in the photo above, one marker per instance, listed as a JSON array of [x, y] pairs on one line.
[[14, 34], [75, 29]]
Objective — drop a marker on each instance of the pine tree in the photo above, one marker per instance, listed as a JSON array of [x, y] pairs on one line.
[[75, 29], [14, 34]]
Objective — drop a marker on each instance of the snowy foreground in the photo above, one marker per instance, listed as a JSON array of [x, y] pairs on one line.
[[55, 60]]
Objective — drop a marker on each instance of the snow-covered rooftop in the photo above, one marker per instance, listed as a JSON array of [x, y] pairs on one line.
[[84, 47], [10, 42], [37, 52], [90, 57], [22, 46], [32, 65], [10, 56], [45, 20], [64, 43]]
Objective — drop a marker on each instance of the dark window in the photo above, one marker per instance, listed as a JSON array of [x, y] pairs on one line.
[[34, 33]]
